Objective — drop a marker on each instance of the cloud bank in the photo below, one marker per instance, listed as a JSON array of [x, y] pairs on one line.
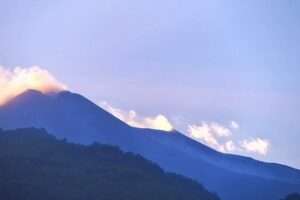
[[158, 122], [209, 134], [219, 138], [14, 82], [255, 145]]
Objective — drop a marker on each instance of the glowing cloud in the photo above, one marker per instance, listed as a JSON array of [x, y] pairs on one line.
[[255, 145], [158, 122], [14, 82]]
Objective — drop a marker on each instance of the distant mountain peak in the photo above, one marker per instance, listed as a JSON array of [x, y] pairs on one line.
[[35, 94], [24, 96], [31, 92]]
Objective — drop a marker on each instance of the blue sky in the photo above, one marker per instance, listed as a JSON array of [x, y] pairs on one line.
[[193, 62]]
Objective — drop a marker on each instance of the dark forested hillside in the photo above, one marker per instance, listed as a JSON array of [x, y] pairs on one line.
[[294, 196], [36, 166]]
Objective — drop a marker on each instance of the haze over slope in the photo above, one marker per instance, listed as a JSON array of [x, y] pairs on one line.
[[69, 115]]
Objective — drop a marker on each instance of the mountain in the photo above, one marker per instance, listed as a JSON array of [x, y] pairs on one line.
[[36, 165], [71, 116]]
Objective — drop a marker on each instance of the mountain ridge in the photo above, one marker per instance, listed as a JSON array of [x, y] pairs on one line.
[[72, 116]]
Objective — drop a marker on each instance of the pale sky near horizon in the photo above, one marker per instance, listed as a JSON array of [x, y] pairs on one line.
[[191, 61]]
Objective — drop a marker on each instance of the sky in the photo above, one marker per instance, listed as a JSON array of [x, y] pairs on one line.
[[225, 73]]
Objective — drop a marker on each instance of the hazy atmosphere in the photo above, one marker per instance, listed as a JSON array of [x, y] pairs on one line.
[[225, 73]]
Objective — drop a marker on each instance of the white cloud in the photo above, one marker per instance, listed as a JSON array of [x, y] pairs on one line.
[[209, 134], [229, 145], [203, 133], [234, 125], [220, 138], [255, 145], [219, 130], [158, 122], [14, 82]]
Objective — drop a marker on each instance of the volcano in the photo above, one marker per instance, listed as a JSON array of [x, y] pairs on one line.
[[72, 116]]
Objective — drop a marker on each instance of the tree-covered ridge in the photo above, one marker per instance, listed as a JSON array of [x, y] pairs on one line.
[[37, 166], [294, 196]]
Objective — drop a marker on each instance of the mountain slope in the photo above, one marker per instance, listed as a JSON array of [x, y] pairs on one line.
[[72, 116], [232, 162], [35, 165]]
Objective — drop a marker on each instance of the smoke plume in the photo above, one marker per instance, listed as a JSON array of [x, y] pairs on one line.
[[14, 82]]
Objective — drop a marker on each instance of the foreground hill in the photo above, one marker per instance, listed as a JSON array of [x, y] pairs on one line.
[[37, 166], [71, 116]]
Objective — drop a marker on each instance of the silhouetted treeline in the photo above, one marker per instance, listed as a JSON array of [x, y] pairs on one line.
[[294, 196], [36, 166]]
